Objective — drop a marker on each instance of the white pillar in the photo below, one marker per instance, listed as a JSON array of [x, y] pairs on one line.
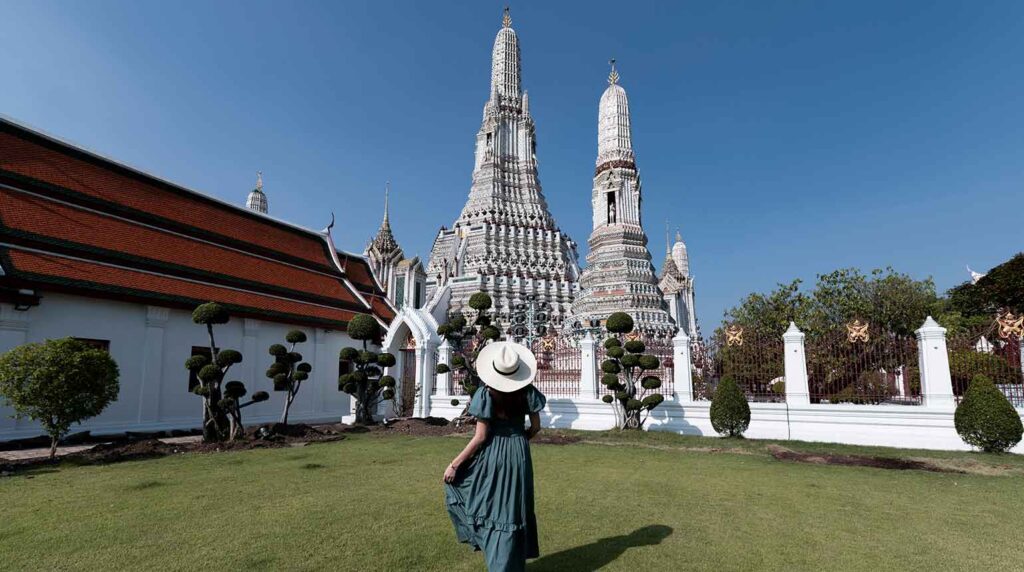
[[444, 356], [682, 368], [588, 367], [933, 360], [795, 361], [425, 374], [252, 358], [152, 364]]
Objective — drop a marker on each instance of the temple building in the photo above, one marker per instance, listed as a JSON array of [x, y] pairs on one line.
[[403, 279], [96, 250], [619, 276], [676, 285], [505, 241]]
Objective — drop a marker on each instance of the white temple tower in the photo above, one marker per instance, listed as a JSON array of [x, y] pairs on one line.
[[619, 276], [676, 285], [505, 242]]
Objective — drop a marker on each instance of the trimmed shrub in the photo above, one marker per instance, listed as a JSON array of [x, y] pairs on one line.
[[630, 360], [363, 327], [616, 352], [442, 368], [648, 361], [609, 366], [480, 301], [609, 378], [607, 398], [730, 413], [635, 347], [612, 343], [210, 313], [650, 382], [619, 323], [985, 418]]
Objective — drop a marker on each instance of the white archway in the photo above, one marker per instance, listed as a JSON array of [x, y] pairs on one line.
[[413, 334]]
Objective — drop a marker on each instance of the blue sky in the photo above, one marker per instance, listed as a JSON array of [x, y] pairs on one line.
[[785, 139]]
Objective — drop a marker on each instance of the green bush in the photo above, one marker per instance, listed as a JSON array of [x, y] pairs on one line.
[[609, 378], [386, 360], [349, 354], [619, 323], [635, 347], [730, 413], [58, 383], [612, 343], [442, 368], [650, 382], [648, 361], [985, 418], [363, 327], [653, 400], [480, 301], [630, 360], [610, 366], [607, 398], [490, 332], [616, 352], [210, 313], [295, 337]]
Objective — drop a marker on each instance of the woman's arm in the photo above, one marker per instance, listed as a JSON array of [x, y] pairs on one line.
[[534, 425], [467, 453]]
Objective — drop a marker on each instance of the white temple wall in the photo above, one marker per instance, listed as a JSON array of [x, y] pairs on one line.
[[150, 345]]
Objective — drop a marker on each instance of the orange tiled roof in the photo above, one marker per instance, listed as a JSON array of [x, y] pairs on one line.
[[65, 214]]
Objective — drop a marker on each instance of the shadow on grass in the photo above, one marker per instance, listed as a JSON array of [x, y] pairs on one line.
[[601, 552]]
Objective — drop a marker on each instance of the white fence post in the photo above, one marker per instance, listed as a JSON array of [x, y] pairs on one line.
[[933, 361], [795, 360], [682, 369], [588, 367], [444, 356]]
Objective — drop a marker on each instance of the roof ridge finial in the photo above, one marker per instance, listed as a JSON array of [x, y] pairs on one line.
[[613, 77], [506, 19], [679, 235], [387, 191], [259, 181]]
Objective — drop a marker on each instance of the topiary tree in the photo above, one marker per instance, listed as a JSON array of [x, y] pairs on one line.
[[222, 406], [635, 394], [730, 413], [288, 370], [367, 383], [58, 383], [985, 418], [467, 340]]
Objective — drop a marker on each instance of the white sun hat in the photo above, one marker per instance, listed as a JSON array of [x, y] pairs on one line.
[[506, 366]]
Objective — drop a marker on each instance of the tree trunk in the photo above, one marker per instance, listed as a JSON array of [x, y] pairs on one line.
[[53, 447]]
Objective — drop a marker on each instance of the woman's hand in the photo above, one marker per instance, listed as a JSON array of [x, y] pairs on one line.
[[449, 474]]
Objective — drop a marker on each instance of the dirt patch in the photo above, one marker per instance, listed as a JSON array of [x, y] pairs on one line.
[[543, 438], [132, 448], [425, 427], [891, 463]]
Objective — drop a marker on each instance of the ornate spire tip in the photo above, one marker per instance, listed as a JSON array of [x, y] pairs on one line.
[[259, 180], [613, 77], [506, 19]]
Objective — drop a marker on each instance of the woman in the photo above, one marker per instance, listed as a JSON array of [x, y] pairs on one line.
[[489, 485]]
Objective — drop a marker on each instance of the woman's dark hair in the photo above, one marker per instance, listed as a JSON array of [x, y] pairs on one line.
[[509, 405]]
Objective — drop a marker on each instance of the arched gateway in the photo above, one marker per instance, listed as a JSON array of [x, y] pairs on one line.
[[412, 338]]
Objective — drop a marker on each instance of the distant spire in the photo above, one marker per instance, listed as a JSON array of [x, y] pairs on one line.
[[385, 242], [668, 242], [613, 77], [506, 19], [679, 236], [257, 201]]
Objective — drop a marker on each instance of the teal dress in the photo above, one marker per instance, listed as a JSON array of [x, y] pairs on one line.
[[491, 499]]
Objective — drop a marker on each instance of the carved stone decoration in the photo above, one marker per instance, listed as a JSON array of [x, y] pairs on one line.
[[857, 331], [1010, 326], [410, 342], [734, 335]]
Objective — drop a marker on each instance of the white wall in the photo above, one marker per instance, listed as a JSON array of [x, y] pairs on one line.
[[151, 344], [912, 427]]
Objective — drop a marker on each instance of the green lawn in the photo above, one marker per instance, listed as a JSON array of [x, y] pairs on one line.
[[646, 502]]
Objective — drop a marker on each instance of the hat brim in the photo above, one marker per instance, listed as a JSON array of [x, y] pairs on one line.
[[506, 383]]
